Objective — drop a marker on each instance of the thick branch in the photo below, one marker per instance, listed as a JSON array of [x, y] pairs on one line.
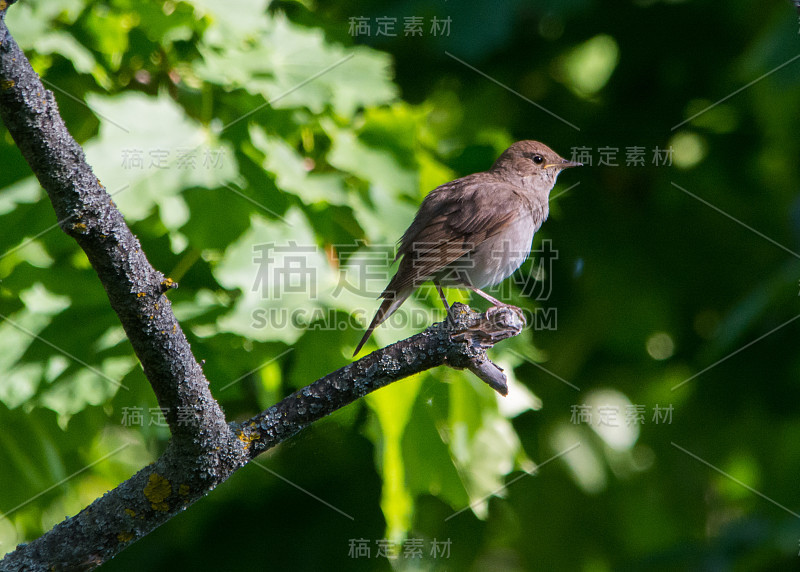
[[86, 212]]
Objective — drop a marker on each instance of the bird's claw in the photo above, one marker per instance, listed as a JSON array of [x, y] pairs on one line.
[[498, 311], [496, 324]]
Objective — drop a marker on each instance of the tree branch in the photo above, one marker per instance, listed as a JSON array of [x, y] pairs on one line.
[[459, 342], [204, 449], [86, 212]]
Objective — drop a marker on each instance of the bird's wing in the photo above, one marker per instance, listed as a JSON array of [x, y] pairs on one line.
[[453, 220]]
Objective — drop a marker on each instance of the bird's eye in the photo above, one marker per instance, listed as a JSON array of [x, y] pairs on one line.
[[538, 159]]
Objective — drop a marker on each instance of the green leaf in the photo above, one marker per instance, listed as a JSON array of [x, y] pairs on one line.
[[282, 275], [291, 174], [17, 333], [429, 465], [392, 406], [292, 66], [143, 164], [483, 442], [214, 227], [376, 165]]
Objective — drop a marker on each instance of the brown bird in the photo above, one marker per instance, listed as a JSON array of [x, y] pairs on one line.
[[475, 231]]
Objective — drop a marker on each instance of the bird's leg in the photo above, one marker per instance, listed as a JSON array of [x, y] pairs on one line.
[[494, 301], [442, 296], [497, 305]]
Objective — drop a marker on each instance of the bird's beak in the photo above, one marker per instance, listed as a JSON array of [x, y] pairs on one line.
[[564, 164]]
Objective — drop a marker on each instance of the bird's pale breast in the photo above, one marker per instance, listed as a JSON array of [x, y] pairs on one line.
[[497, 258]]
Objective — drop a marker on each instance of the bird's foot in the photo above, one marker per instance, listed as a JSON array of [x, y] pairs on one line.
[[497, 309], [494, 325]]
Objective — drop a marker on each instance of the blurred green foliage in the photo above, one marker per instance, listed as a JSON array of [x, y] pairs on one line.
[[226, 132]]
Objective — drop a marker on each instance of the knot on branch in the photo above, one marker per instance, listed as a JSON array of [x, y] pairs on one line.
[[4, 4], [168, 284], [474, 333]]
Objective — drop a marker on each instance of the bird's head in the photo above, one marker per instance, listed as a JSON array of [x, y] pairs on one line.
[[535, 164]]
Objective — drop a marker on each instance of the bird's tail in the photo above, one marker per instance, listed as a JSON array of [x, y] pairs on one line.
[[392, 301]]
